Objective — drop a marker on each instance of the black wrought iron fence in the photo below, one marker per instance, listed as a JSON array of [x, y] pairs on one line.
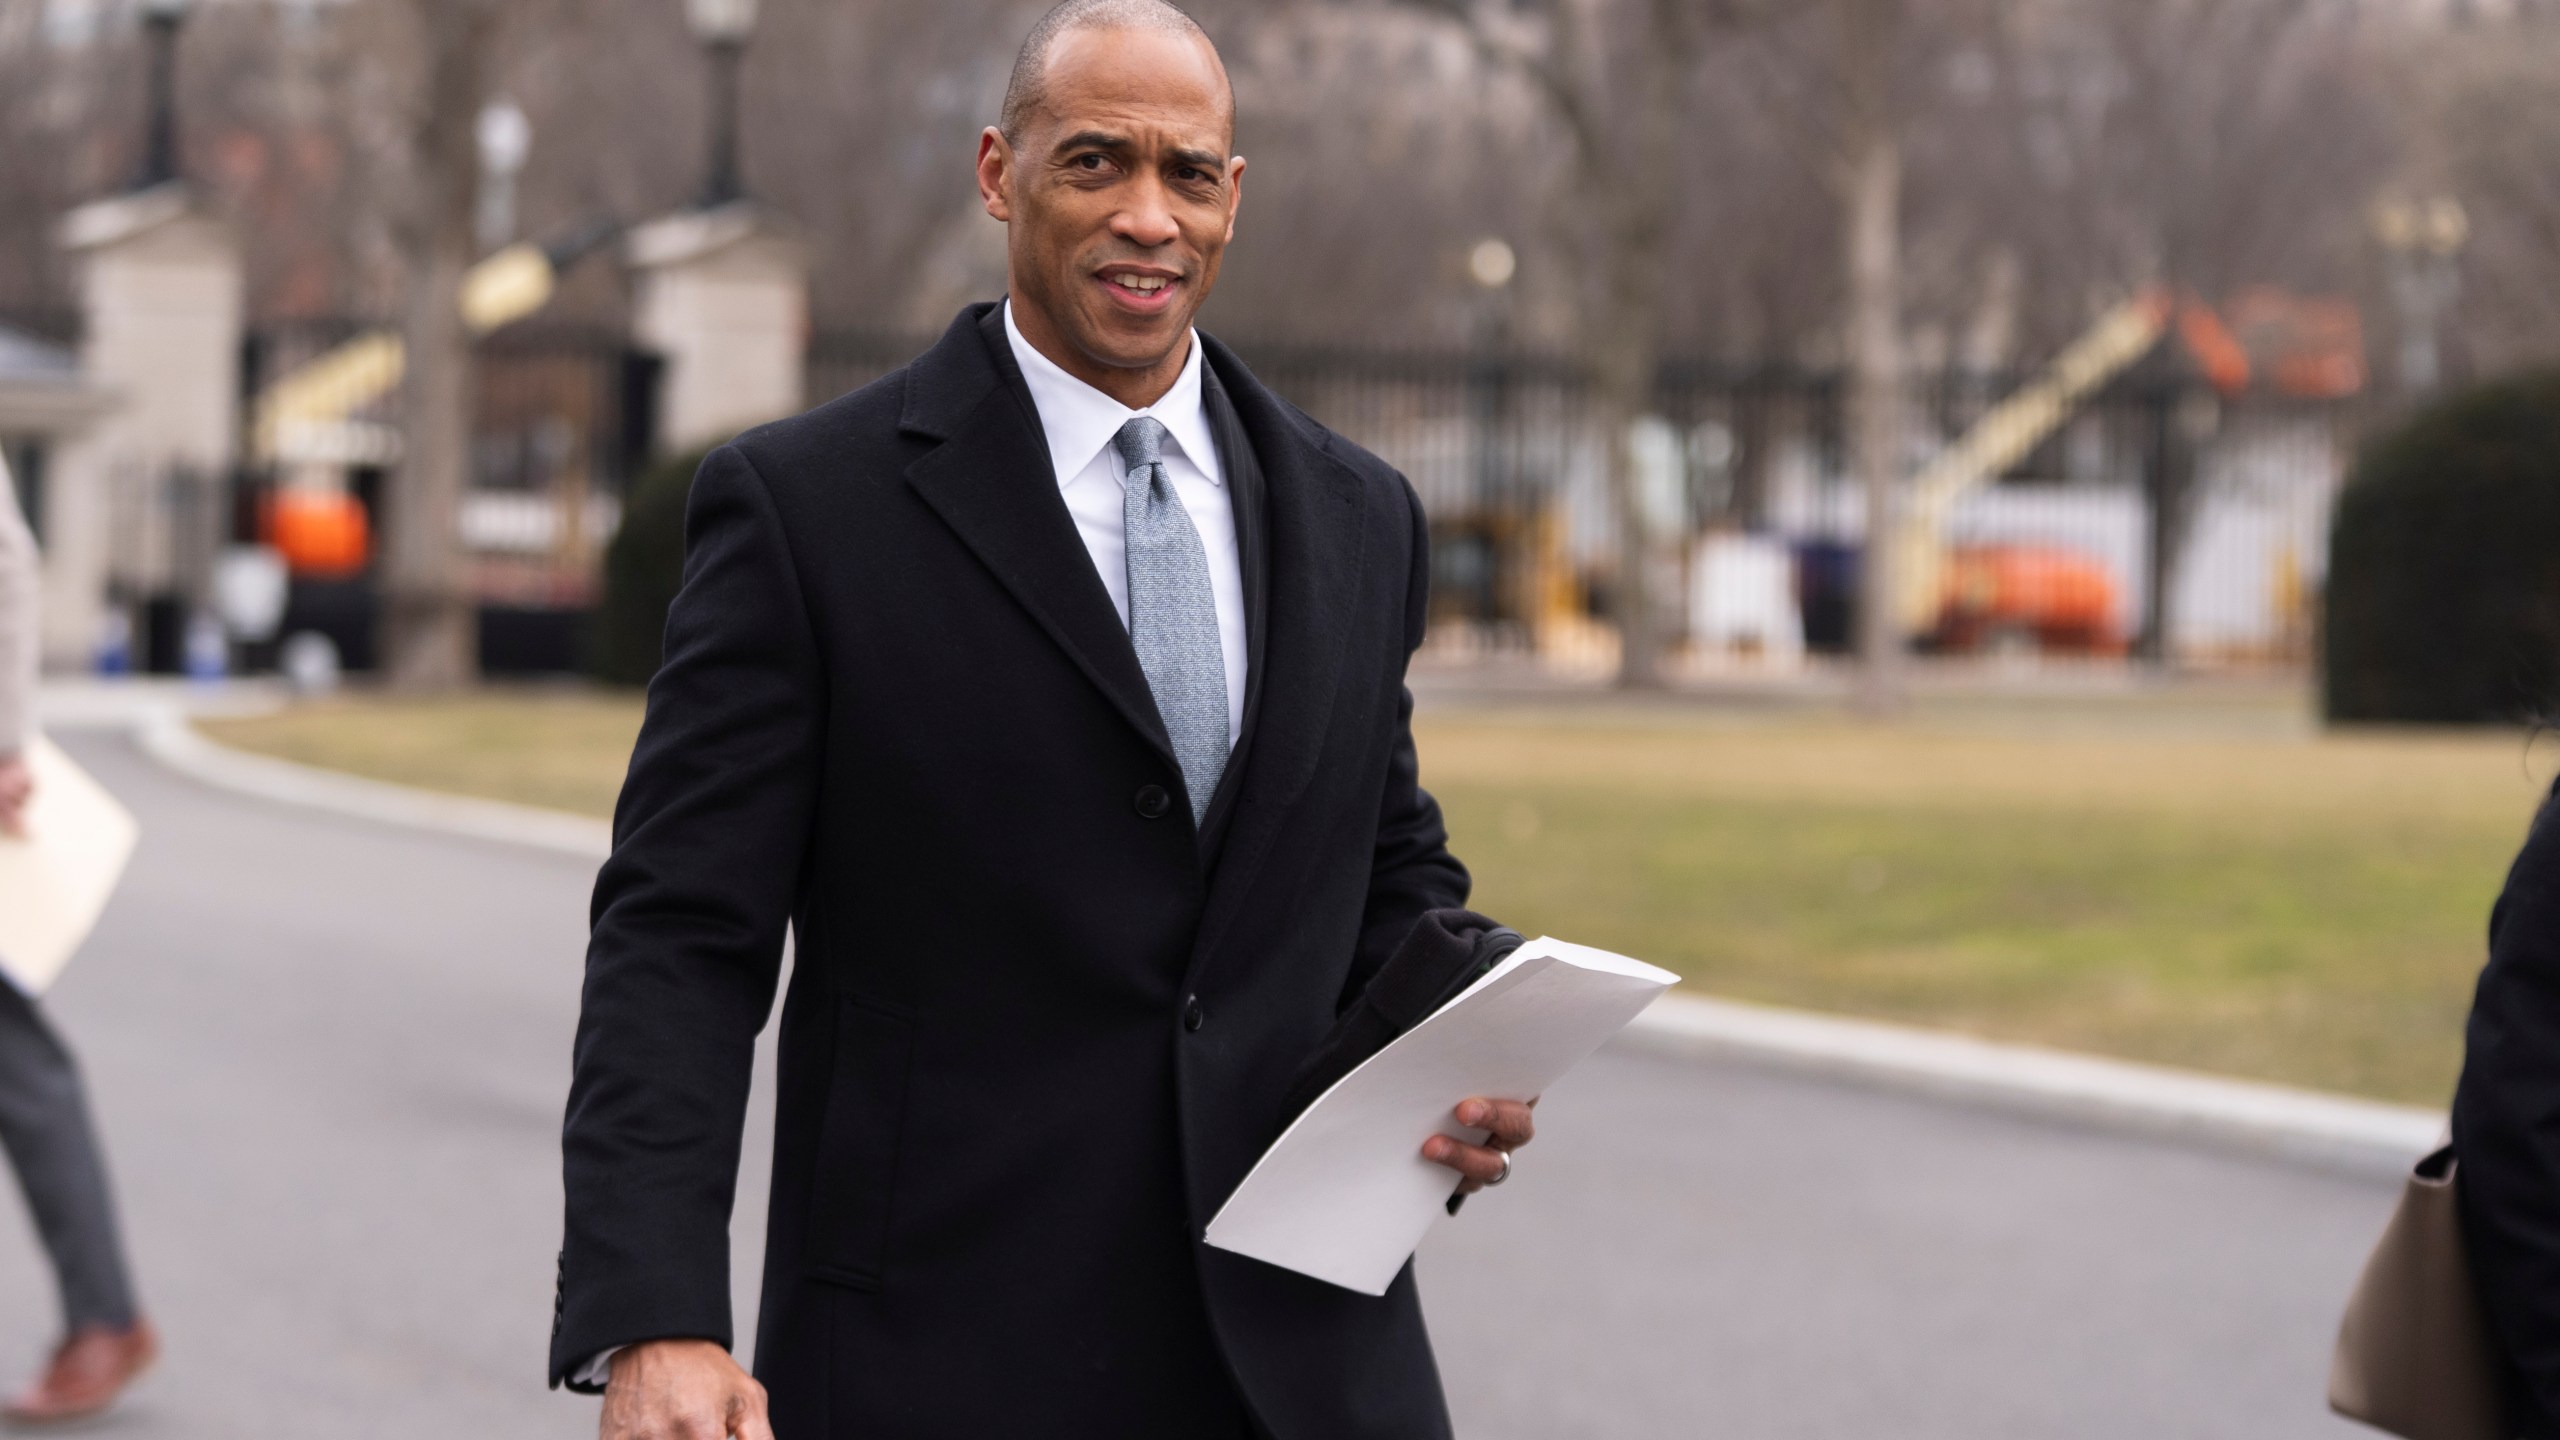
[[2157, 517]]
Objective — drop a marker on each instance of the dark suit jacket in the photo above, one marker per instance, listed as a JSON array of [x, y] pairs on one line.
[[1036, 1030], [2506, 1131]]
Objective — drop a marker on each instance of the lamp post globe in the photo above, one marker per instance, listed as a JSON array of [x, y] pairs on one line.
[[504, 134], [2422, 241], [505, 139], [719, 22], [2448, 226]]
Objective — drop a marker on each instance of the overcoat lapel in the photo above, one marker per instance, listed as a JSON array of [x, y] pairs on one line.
[[992, 482], [1244, 488], [1312, 566]]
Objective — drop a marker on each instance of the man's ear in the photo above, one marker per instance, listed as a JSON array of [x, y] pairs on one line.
[[1235, 194], [995, 173]]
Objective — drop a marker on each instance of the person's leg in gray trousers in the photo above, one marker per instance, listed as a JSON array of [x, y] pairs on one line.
[[44, 1122]]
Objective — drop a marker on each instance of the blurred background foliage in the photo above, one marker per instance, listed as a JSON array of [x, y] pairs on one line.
[[2444, 570], [2056, 154], [643, 568]]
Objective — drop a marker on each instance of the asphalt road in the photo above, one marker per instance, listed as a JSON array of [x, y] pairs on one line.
[[329, 1058]]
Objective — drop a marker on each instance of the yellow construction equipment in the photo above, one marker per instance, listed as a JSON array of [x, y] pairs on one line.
[[2008, 433]]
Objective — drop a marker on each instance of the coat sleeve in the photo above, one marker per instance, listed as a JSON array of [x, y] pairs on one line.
[[686, 945], [2506, 1130], [1411, 870], [17, 621]]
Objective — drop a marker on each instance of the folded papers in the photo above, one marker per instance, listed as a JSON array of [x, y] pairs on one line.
[[1344, 1194], [55, 879]]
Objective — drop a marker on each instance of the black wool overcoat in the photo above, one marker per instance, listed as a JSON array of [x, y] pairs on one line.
[[2506, 1132], [1037, 1029]]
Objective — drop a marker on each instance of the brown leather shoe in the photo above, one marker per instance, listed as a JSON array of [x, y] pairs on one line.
[[88, 1372]]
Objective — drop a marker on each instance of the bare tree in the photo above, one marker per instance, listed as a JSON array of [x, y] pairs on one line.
[[1835, 72], [71, 125], [1614, 79], [429, 626], [1870, 180], [2496, 121], [2204, 144]]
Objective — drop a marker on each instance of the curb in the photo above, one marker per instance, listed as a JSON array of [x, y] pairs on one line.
[[2361, 1135], [2341, 1130], [165, 736]]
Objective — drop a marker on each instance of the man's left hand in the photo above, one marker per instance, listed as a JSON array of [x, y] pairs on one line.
[[1511, 1127]]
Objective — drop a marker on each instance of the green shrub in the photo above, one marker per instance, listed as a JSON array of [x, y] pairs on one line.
[[2444, 565], [642, 568]]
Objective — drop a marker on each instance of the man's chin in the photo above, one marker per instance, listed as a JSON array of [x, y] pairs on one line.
[[1116, 342]]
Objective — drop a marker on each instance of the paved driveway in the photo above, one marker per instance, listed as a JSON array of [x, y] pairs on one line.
[[330, 1057]]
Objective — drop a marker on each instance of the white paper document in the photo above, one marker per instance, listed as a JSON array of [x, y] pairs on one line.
[[55, 879], [1344, 1195]]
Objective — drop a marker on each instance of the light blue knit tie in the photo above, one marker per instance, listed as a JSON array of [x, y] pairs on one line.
[[1173, 615]]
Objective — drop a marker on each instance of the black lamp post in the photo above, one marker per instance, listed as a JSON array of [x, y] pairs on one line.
[[723, 27], [2423, 241], [160, 21], [1490, 264]]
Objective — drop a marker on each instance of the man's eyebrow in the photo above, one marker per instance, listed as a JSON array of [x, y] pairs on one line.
[[1091, 140], [1205, 159]]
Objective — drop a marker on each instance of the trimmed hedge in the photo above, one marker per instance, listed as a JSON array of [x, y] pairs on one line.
[[2444, 565], [642, 569]]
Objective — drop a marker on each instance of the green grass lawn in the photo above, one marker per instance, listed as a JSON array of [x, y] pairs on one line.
[[2187, 886]]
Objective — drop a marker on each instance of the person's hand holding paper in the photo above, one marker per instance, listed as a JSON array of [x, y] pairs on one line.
[[1508, 1125], [1353, 1185]]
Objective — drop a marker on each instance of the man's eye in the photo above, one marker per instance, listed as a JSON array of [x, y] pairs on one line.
[[1089, 162]]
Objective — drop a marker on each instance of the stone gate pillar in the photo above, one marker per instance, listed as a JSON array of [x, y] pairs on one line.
[[141, 497], [723, 297]]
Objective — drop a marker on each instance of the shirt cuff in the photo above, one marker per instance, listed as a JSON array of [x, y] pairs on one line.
[[598, 1370]]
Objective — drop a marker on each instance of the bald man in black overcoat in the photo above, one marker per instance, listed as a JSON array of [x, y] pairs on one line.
[[1050, 693]]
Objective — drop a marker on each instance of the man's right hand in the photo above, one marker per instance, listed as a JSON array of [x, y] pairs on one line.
[[17, 786], [681, 1390]]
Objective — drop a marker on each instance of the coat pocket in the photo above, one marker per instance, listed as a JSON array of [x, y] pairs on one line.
[[858, 1146]]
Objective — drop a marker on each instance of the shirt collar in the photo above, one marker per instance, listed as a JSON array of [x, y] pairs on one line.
[[1078, 420]]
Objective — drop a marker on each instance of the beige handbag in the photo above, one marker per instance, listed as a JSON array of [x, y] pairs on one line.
[[2414, 1356]]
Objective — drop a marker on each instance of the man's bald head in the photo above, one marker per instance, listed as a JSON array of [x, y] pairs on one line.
[[1029, 86], [1115, 177]]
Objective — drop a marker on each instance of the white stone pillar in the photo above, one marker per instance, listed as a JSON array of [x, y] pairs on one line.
[[161, 297], [723, 296]]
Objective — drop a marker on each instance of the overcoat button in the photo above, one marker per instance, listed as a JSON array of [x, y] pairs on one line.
[[1153, 801], [1193, 1017]]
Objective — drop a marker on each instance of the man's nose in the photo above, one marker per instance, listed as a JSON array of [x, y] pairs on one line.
[[1147, 219]]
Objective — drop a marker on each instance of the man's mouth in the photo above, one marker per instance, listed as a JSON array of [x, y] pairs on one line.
[[1140, 290]]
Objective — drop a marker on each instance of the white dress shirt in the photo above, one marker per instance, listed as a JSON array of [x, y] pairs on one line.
[[1079, 422]]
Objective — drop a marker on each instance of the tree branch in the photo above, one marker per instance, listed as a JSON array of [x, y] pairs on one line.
[[1543, 72]]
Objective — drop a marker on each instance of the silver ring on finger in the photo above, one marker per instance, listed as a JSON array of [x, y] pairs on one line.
[[1506, 1170]]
